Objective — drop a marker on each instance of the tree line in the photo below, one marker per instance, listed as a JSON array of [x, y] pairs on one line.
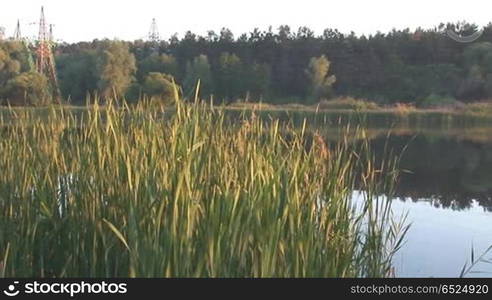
[[278, 66]]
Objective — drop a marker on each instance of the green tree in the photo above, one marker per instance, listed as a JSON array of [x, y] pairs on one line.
[[115, 68], [257, 78], [28, 88], [478, 62], [401, 65], [229, 76], [320, 82], [163, 63], [134, 92], [77, 74], [160, 87], [199, 69]]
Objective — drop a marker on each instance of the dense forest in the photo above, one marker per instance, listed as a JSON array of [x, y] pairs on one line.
[[278, 66]]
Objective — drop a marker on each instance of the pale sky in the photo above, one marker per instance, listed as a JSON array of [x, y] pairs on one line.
[[131, 19]]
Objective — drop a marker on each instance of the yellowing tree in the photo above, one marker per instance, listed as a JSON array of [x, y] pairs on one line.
[[320, 82], [115, 68]]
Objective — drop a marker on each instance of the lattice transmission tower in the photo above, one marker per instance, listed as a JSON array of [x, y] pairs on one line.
[[154, 32], [17, 33], [45, 62], [51, 36]]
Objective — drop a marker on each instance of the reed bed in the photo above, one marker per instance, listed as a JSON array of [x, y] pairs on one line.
[[134, 192]]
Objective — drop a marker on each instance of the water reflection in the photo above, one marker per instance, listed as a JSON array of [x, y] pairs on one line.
[[447, 194], [440, 240], [446, 171]]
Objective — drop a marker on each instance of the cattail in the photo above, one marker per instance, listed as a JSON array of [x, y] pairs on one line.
[[323, 149]]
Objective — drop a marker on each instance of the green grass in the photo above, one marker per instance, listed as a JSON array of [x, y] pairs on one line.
[[138, 193]]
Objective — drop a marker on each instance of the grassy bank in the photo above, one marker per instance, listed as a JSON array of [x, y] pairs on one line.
[[107, 195], [381, 118], [349, 111]]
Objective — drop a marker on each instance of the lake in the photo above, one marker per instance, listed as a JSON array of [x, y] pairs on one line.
[[446, 189]]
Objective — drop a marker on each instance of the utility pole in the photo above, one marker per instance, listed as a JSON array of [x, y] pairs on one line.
[[26, 44], [45, 62]]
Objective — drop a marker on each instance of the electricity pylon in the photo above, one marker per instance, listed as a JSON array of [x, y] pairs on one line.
[[154, 32], [17, 33], [45, 62]]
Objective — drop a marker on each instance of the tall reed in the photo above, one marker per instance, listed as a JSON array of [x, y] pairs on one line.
[[135, 192]]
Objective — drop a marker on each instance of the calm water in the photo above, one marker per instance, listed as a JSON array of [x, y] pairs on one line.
[[447, 193]]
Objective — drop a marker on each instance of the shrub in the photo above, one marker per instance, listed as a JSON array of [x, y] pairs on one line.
[[348, 103], [436, 101], [404, 108], [160, 87], [479, 108]]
